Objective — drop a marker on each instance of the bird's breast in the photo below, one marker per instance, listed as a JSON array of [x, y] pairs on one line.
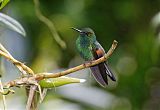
[[84, 50]]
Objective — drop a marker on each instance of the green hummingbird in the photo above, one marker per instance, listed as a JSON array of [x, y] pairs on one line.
[[90, 49]]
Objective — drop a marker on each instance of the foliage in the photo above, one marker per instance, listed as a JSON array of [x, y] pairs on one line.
[[3, 3], [11, 23]]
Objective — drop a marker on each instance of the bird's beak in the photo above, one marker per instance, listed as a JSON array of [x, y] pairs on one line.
[[78, 30]]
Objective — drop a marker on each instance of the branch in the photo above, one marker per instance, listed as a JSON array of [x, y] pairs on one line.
[[32, 80], [22, 67], [40, 76], [31, 98]]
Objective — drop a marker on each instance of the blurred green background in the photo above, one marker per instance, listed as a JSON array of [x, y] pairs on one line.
[[133, 23]]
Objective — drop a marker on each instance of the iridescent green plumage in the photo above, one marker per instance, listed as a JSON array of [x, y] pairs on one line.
[[84, 46], [89, 49]]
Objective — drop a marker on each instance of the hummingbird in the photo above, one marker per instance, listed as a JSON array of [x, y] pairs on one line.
[[90, 49]]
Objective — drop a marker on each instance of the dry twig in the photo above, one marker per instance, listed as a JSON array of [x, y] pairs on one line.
[[40, 76], [22, 67], [33, 79], [80, 67]]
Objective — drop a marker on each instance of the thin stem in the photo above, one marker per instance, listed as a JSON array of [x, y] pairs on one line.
[[40, 76], [49, 24], [4, 98], [22, 67], [83, 66]]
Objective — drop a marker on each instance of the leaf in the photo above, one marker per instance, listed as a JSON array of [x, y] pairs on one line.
[[3, 3], [60, 81], [12, 24]]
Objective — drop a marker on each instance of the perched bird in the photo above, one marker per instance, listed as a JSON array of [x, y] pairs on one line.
[[90, 49]]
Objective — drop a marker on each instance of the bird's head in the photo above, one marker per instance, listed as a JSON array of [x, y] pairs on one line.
[[85, 32]]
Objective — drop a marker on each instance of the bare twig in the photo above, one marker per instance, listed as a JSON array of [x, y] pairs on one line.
[[22, 67], [44, 92], [32, 81], [48, 23], [4, 98], [41, 76], [80, 67], [31, 98]]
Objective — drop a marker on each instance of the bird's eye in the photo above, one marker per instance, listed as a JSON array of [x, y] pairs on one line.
[[89, 34]]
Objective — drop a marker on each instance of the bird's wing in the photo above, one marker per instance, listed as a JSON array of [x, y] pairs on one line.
[[98, 52]]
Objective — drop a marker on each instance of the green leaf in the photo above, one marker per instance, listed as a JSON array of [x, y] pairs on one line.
[[60, 81], [12, 24], [3, 3]]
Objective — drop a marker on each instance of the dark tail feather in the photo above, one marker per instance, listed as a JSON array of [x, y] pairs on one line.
[[109, 72], [100, 77], [100, 73]]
